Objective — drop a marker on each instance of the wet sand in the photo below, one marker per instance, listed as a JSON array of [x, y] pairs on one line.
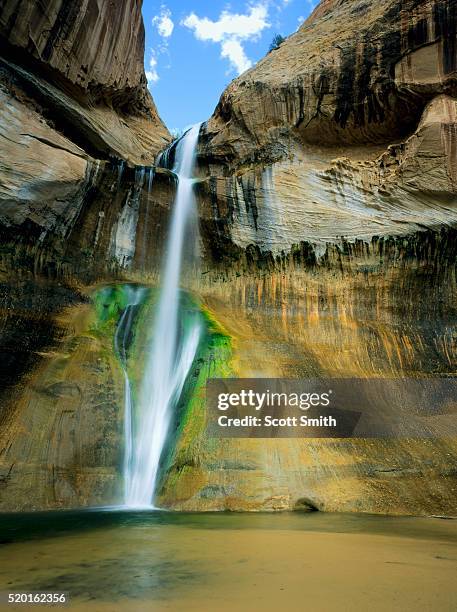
[[122, 561]]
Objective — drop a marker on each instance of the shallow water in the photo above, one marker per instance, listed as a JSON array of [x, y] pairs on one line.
[[135, 561]]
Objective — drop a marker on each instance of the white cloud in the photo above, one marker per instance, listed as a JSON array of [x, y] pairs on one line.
[[164, 23], [165, 26], [230, 30], [232, 50], [152, 74], [241, 27]]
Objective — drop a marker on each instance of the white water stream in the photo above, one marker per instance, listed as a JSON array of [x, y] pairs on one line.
[[172, 349]]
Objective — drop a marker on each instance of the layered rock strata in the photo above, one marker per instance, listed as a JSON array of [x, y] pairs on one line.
[[329, 199], [77, 117], [84, 63], [79, 202]]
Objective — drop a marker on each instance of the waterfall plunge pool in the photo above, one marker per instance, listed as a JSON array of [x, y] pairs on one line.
[[122, 561]]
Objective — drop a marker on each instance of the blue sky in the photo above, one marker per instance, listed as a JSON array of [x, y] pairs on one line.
[[195, 48]]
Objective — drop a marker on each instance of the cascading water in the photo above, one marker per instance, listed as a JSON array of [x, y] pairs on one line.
[[172, 349], [135, 296], [146, 217]]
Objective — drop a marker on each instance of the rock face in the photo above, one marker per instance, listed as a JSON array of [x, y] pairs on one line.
[[354, 73], [325, 195], [347, 130], [61, 428], [76, 116], [329, 208], [384, 308], [84, 63], [93, 44]]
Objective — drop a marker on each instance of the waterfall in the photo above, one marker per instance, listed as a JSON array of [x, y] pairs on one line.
[[172, 349], [134, 297], [123, 235], [146, 218], [120, 172]]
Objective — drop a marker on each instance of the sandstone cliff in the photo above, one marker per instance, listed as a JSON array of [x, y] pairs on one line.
[[76, 116], [346, 131], [329, 206], [84, 62], [355, 72]]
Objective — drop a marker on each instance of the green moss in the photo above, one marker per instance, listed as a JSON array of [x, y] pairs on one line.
[[109, 304], [213, 360]]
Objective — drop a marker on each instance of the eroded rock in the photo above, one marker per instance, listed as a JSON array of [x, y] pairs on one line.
[[86, 62]]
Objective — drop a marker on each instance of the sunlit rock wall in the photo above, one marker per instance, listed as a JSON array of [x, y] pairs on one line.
[[351, 74], [320, 197], [379, 309], [329, 206]]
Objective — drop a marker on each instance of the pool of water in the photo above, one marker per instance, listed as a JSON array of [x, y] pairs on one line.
[[120, 560]]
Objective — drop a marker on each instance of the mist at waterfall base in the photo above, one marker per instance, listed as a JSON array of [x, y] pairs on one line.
[[172, 351]]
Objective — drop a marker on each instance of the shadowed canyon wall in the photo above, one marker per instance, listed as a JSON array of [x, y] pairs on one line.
[[328, 209], [78, 203], [79, 134]]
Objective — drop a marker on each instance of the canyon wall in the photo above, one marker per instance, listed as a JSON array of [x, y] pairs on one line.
[[347, 130], [77, 119], [83, 63], [328, 200], [354, 73], [79, 202]]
